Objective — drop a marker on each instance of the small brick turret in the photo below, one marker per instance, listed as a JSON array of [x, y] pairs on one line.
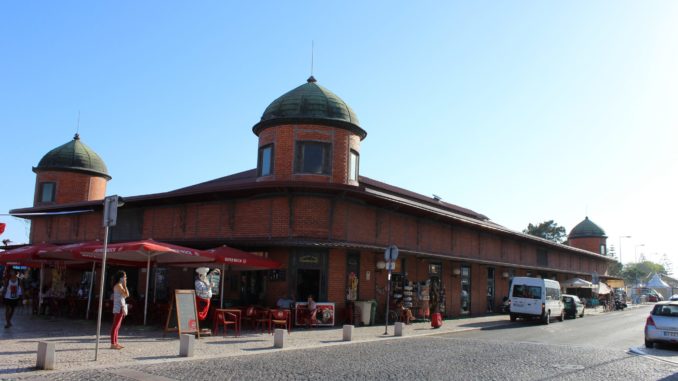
[[588, 236], [72, 172], [309, 134]]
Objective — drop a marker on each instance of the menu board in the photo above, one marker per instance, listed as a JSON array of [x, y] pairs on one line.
[[186, 318]]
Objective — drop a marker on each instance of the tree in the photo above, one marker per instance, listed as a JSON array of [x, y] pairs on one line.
[[611, 252], [634, 273], [547, 230], [615, 269]]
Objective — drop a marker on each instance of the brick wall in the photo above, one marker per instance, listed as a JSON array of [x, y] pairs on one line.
[[71, 186], [284, 137]]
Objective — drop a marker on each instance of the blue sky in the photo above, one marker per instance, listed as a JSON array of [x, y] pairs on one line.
[[524, 111]]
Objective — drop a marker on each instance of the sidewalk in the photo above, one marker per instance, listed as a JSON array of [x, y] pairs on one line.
[[75, 342]]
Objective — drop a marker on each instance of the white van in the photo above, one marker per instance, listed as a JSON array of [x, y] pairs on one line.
[[535, 298]]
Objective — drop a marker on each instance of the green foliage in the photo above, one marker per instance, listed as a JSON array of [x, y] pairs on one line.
[[638, 272], [547, 230], [615, 269]]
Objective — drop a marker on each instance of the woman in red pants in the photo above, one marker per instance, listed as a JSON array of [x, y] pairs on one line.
[[120, 292]]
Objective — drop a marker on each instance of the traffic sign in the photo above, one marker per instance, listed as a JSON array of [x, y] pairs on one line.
[[391, 253]]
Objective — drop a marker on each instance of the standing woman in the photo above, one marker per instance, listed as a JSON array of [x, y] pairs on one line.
[[11, 293], [120, 292]]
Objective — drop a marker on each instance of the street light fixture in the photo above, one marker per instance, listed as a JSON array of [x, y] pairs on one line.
[[620, 247], [636, 253]]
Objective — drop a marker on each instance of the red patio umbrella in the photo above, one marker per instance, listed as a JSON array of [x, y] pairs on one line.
[[137, 253], [25, 255], [242, 260]]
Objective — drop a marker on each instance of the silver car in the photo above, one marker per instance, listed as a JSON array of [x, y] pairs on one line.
[[662, 324]]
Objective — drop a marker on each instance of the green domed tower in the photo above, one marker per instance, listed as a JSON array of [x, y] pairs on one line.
[[588, 236], [72, 172], [309, 134]]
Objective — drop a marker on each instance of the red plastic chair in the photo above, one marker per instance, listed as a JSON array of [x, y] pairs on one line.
[[280, 318], [263, 320], [250, 315], [224, 319]]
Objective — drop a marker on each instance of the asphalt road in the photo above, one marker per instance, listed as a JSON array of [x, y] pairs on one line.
[[616, 330], [592, 348]]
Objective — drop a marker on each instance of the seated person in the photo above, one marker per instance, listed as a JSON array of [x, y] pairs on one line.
[[312, 310], [405, 313], [285, 303]]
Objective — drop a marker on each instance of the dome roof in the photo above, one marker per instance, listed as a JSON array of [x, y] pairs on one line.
[[310, 103], [587, 228], [73, 156]]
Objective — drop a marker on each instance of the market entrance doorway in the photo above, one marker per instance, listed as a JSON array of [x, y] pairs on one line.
[[308, 283], [308, 274]]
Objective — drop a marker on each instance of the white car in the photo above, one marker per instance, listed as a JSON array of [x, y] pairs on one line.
[[662, 324], [674, 297]]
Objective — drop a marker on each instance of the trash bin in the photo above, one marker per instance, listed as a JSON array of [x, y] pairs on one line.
[[365, 311]]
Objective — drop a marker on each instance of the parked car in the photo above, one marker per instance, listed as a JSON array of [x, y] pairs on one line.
[[662, 324], [674, 297], [651, 294], [653, 298], [573, 306]]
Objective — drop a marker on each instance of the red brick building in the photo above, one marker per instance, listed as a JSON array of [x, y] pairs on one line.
[[307, 206]]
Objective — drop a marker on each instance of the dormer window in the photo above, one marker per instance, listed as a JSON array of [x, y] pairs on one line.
[[313, 157], [265, 160], [353, 159], [47, 192]]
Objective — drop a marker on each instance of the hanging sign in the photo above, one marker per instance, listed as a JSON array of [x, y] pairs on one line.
[[391, 253]]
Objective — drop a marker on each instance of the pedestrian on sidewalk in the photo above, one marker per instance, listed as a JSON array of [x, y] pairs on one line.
[[12, 294], [120, 292]]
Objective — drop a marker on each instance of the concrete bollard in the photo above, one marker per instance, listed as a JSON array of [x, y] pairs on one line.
[[186, 345], [348, 332], [46, 359], [279, 338], [399, 328]]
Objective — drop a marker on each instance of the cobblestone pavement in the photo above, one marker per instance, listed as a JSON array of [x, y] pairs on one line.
[[75, 343]]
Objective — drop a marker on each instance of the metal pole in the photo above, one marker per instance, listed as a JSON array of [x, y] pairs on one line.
[[148, 275], [101, 291], [42, 270], [155, 281], [91, 286], [388, 296], [221, 284]]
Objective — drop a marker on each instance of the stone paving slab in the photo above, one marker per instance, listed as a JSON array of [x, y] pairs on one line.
[[75, 342]]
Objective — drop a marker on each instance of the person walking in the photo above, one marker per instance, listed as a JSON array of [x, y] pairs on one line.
[[12, 294], [120, 292]]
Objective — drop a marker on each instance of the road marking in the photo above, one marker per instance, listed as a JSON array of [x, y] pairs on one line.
[[137, 375], [646, 353]]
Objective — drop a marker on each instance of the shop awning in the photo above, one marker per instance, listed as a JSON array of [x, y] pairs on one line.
[[576, 283], [603, 289]]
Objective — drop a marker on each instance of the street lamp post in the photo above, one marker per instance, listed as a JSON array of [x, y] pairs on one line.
[[620, 247], [636, 251]]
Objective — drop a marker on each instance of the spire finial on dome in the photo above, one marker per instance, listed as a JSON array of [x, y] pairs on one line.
[[77, 136], [311, 79]]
